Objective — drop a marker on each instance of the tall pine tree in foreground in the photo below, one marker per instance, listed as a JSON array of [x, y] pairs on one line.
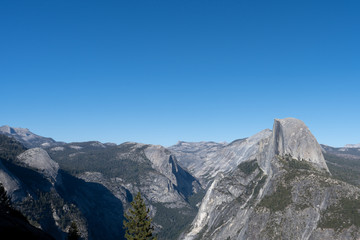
[[137, 222]]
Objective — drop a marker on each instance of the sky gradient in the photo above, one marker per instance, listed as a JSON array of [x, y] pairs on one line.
[[162, 71]]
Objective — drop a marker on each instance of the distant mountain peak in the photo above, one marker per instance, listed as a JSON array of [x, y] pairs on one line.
[[27, 138], [290, 136], [352, 145], [261, 169], [13, 130]]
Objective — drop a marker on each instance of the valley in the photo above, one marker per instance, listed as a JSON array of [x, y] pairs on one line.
[[276, 184]]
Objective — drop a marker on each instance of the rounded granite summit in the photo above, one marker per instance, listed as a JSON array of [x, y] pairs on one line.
[[39, 160], [292, 137]]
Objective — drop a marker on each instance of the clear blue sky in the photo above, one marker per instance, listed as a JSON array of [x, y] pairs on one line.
[[161, 71]]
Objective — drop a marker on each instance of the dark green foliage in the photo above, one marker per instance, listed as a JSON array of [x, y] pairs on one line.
[[295, 168], [13, 225], [253, 189], [176, 220], [173, 220], [281, 197], [40, 210], [4, 199], [259, 185], [138, 222], [195, 198], [113, 161], [344, 169], [10, 148], [248, 167], [6, 206], [128, 162], [73, 232], [279, 200], [42, 200], [341, 215], [294, 164], [100, 209]]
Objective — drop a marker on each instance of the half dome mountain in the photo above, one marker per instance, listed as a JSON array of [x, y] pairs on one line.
[[283, 191]]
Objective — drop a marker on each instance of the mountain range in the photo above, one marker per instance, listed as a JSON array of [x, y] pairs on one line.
[[276, 184]]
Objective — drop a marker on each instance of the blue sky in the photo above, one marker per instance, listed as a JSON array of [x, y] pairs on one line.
[[162, 71]]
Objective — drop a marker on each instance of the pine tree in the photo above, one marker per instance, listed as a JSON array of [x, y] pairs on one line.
[[6, 206], [73, 232], [138, 222], [4, 199]]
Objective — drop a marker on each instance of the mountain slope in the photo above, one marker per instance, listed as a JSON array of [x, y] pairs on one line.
[[344, 163], [30, 177], [27, 138], [273, 185], [286, 192], [13, 225], [97, 186], [352, 145], [128, 168], [206, 160]]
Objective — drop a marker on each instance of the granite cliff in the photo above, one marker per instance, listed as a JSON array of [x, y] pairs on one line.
[[273, 185], [283, 191], [93, 183]]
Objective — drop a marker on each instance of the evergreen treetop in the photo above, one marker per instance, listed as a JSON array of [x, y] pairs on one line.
[[4, 199], [137, 221]]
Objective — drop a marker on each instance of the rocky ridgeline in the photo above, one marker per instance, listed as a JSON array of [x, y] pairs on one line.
[[27, 138], [93, 183], [284, 191], [273, 185], [208, 159], [352, 145]]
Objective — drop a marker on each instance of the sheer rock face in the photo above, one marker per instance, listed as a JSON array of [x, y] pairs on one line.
[[292, 137], [129, 168], [40, 161], [244, 178], [173, 185], [210, 159], [11, 184], [247, 203], [194, 156], [289, 136], [106, 176], [168, 183], [293, 204], [160, 159]]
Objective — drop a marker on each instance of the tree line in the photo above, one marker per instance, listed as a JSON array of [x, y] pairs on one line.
[[137, 223]]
